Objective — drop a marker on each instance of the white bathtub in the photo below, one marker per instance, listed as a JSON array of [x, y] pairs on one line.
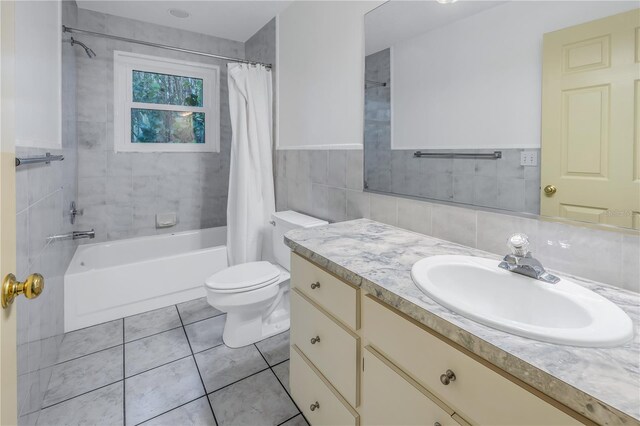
[[111, 280]]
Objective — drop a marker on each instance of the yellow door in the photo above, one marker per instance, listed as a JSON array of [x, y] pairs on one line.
[[8, 368], [590, 122]]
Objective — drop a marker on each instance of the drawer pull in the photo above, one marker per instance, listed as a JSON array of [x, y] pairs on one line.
[[437, 424], [315, 285], [448, 377], [315, 406], [315, 340]]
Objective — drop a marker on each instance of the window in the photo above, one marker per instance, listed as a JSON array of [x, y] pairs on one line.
[[165, 105]]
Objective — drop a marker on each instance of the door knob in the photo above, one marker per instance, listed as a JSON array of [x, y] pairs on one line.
[[549, 190], [11, 287]]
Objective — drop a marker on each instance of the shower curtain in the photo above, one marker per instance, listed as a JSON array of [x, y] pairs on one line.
[[251, 198]]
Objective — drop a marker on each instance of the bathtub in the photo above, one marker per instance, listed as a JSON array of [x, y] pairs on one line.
[[107, 281]]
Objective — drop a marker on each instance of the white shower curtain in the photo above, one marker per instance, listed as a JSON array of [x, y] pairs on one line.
[[251, 198]]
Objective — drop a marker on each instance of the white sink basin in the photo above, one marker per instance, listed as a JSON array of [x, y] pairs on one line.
[[563, 313]]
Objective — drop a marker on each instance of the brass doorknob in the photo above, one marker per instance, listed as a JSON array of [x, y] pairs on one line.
[[11, 287], [549, 190]]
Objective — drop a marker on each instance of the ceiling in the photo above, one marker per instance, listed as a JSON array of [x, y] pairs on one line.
[[235, 20], [401, 20]]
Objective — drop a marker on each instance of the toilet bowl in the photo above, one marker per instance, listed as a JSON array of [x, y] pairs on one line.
[[255, 295]]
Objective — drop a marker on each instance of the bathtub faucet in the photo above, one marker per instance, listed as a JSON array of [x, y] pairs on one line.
[[75, 235]]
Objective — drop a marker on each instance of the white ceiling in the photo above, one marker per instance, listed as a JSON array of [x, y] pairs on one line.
[[399, 20], [236, 20]]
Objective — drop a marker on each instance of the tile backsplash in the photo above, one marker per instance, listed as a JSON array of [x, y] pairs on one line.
[[328, 184]]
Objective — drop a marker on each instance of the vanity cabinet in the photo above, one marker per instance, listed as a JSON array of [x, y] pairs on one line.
[[357, 361]]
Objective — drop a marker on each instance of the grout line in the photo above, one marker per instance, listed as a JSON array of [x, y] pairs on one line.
[[278, 379], [239, 380], [290, 418], [83, 356], [90, 353], [154, 334], [203, 319], [83, 393], [204, 388], [158, 366], [204, 350], [173, 409]]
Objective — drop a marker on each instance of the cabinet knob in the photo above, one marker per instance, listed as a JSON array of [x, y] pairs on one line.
[[315, 285], [315, 340], [315, 406], [448, 377]]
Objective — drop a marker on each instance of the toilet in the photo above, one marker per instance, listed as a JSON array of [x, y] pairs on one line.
[[255, 295]]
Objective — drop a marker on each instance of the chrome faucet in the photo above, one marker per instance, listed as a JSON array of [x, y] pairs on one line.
[[84, 234], [521, 262], [75, 235]]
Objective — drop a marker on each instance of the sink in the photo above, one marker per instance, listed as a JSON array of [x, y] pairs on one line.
[[564, 313]]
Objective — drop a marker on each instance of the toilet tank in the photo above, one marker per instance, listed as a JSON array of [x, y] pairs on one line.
[[286, 221]]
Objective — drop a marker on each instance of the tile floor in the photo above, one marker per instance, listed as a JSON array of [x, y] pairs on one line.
[[169, 367]]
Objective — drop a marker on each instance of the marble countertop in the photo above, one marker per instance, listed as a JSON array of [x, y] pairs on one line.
[[601, 384]]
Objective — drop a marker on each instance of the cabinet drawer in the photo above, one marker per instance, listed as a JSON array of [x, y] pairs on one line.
[[336, 354], [336, 297], [478, 393], [390, 398], [309, 388]]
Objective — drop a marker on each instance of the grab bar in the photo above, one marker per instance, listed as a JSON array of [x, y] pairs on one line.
[[487, 156], [47, 158]]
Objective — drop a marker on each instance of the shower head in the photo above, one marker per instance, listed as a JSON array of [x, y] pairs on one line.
[[90, 53]]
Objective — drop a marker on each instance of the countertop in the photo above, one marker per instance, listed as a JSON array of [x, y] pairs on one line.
[[601, 384]]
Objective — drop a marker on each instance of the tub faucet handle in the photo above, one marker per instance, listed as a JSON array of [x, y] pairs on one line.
[[73, 212]]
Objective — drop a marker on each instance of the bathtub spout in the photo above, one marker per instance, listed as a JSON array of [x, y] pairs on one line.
[[76, 235]]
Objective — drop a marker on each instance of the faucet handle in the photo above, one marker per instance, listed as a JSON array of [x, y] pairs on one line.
[[518, 244]]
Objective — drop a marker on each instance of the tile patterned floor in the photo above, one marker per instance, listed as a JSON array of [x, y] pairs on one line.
[[169, 367]]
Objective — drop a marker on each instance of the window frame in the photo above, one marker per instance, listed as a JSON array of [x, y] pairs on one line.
[[124, 63]]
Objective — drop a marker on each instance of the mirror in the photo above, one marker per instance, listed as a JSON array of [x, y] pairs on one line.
[[528, 107]]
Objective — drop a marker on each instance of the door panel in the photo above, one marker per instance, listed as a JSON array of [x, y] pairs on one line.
[[590, 116], [8, 368]]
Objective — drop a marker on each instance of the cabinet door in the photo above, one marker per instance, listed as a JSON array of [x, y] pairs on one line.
[[391, 398], [335, 353], [318, 401]]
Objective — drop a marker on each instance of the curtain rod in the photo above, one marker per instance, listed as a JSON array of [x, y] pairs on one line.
[[66, 29]]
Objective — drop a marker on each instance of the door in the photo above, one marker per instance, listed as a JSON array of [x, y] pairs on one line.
[[8, 368], [590, 122]]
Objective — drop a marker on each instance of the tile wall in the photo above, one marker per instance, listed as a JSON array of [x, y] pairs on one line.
[[328, 184], [44, 193], [122, 192]]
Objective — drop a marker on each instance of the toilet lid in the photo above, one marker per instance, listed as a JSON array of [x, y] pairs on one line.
[[246, 276]]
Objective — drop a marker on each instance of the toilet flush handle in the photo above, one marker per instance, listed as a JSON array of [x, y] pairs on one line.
[[315, 285]]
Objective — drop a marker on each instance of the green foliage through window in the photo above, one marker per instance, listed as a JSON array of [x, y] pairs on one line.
[[154, 88], [158, 126]]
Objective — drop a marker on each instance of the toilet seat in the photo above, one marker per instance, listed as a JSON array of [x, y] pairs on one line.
[[243, 277]]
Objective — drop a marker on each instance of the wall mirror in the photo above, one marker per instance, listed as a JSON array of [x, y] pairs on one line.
[[529, 107]]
